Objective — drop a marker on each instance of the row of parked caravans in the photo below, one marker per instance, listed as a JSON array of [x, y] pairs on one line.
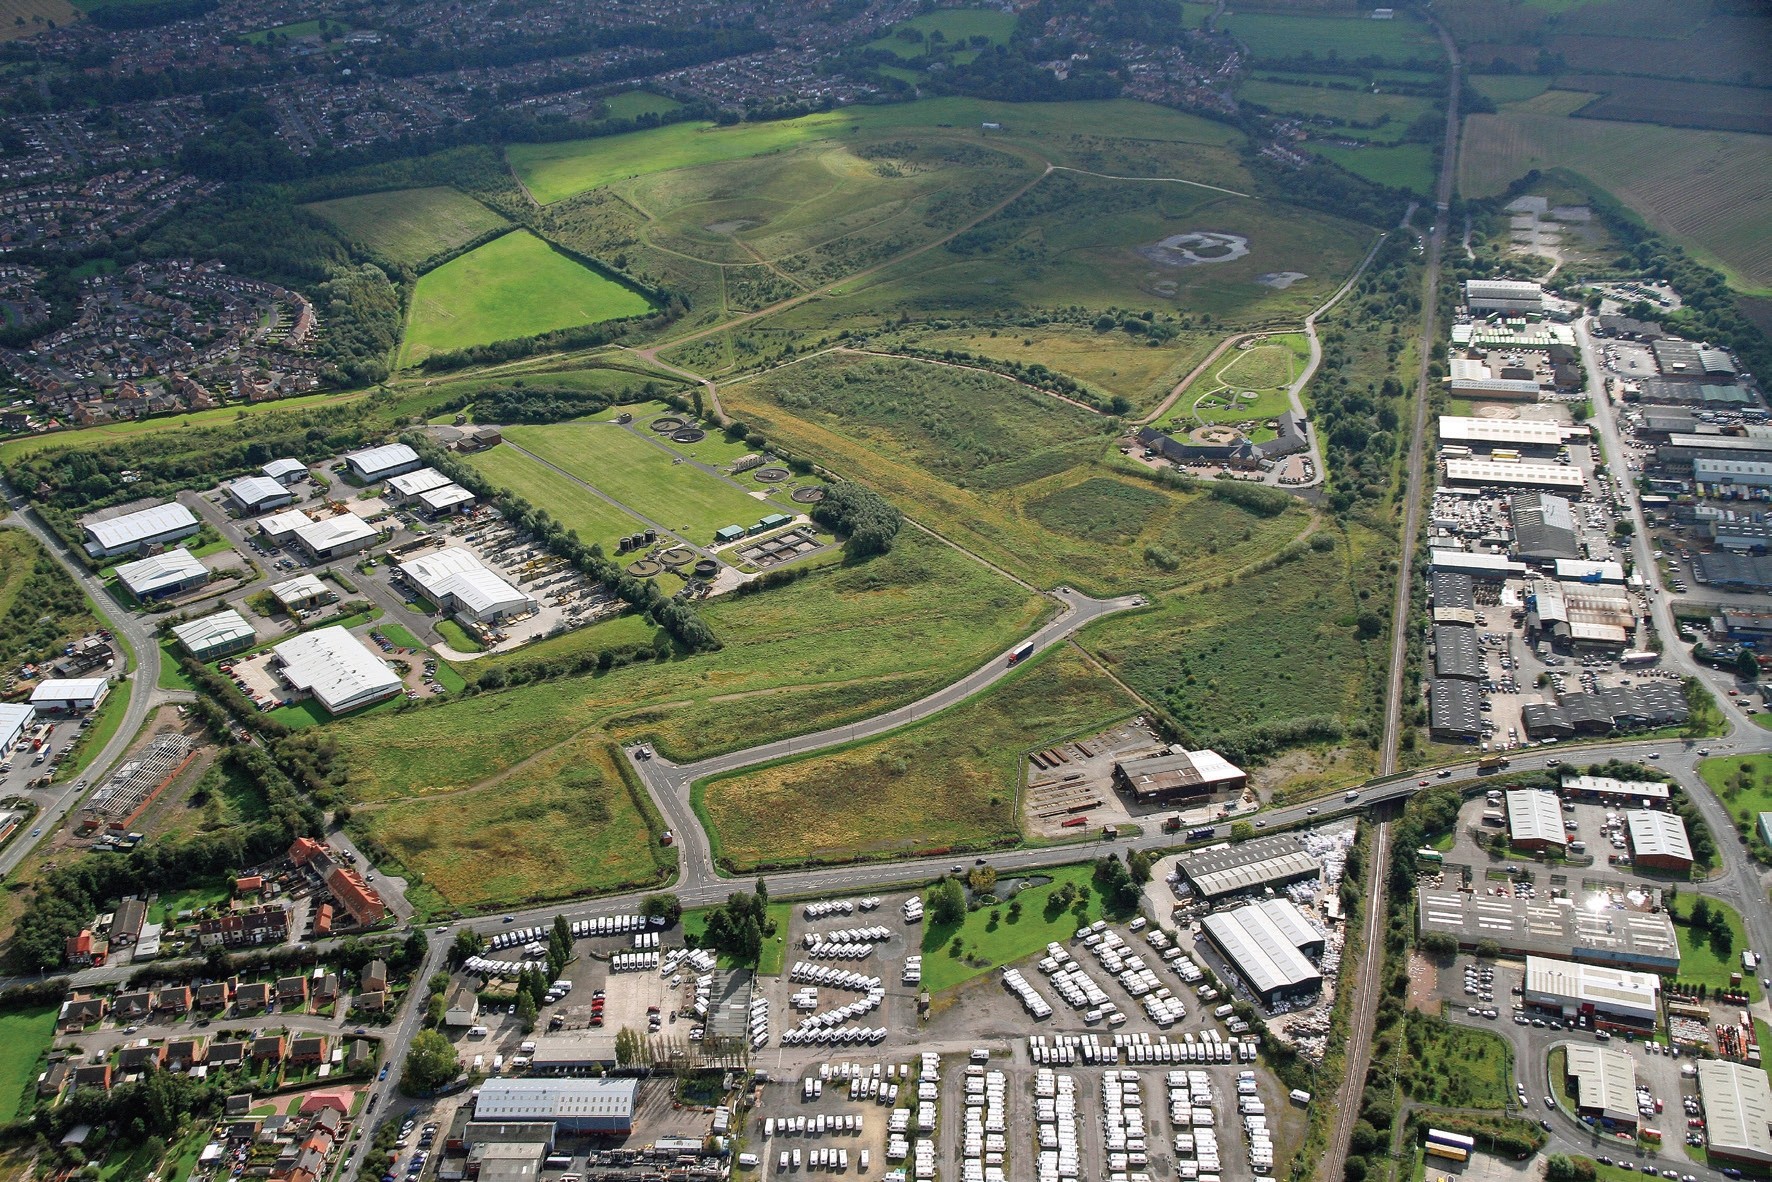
[[834, 1160], [609, 925], [1065, 1050]]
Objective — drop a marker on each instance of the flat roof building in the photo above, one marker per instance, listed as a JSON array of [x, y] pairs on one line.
[[1509, 474], [1223, 870], [1262, 953], [458, 582], [379, 463], [1495, 389], [1737, 1111], [1539, 433], [160, 575], [1561, 927], [1580, 570], [337, 669], [1455, 710], [258, 494], [1535, 820], [1605, 1084], [1456, 653], [1609, 789], [1178, 775], [1613, 996], [215, 636], [1494, 567], [1658, 839], [75, 695], [574, 1105], [336, 536], [1503, 295], [153, 526], [285, 470], [410, 484], [1731, 473]]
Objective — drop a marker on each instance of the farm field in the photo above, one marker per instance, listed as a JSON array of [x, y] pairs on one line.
[[645, 477], [1060, 513], [595, 519], [986, 943], [887, 631], [1705, 188], [564, 823], [25, 18], [957, 27], [514, 286], [1405, 166], [1394, 112], [1510, 88], [409, 226], [24, 1034], [1682, 104], [939, 786], [1287, 35]]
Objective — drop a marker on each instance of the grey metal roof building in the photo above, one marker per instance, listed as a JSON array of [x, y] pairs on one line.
[[1720, 569], [1534, 819], [1553, 927], [1456, 653], [1659, 839], [378, 463], [1737, 1110], [1455, 710], [1510, 389], [1503, 295], [1453, 589], [224, 632], [1546, 720], [1544, 527], [1605, 1084], [152, 526], [159, 575], [1232, 869], [1509, 474], [256, 494], [1262, 954], [1609, 992], [574, 1105]]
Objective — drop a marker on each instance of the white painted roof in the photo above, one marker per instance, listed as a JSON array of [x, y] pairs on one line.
[[372, 460], [134, 528], [413, 483], [69, 689], [1262, 953], [1737, 1108], [14, 717], [1614, 990], [336, 668], [334, 531], [1465, 429], [1505, 472], [1607, 786], [147, 575], [250, 490], [1605, 1080], [288, 521], [1658, 834], [445, 496], [283, 467], [459, 574], [296, 590], [1534, 815], [556, 1099], [224, 627]]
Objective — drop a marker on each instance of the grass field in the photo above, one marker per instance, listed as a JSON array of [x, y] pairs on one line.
[[947, 784], [26, 18], [562, 824], [645, 477], [1456, 1065], [886, 632], [986, 944], [1393, 112], [1405, 166], [409, 226], [957, 27], [1705, 188], [1265, 369], [595, 519], [1700, 963], [190, 897], [1743, 783], [631, 104], [15, 449], [514, 286], [1293, 35], [24, 1036]]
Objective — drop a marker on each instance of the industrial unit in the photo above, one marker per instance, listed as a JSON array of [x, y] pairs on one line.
[[1612, 791], [1607, 935], [153, 526], [258, 494], [1455, 710], [72, 695], [279, 528], [1222, 870], [14, 718], [301, 593], [574, 1105], [1535, 820], [1737, 1111], [378, 463], [335, 537], [1178, 775], [336, 668], [1264, 951], [1503, 295], [1456, 653], [1605, 1084], [215, 636], [1611, 997], [447, 499], [1539, 434], [1658, 839], [161, 575], [1544, 527], [1515, 474], [460, 584], [286, 470], [410, 484]]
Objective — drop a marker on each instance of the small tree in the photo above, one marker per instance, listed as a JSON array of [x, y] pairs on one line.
[[663, 906], [1242, 831], [982, 879], [526, 1011], [947, 902], [430, 1064]]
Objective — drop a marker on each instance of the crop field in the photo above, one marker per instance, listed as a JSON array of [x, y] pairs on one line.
[[1405, 166], [645, 477], [409, 226], [957, 26], [564, 823], [1394, 112], [1288, 35], [1510, 88], [25, 18], [1681, 104], [595, 519], [1705, 188], [843, 644], [1036, 515], [934, 787], [514, 286]]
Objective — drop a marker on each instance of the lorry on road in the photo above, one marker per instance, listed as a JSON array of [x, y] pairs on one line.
[[1021, 652], [1491, 763]]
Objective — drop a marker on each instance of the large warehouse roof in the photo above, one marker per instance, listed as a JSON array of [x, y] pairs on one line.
[[1658, 835], [1737, 1110], [1521, 387], [252, 491], [1607, 989], [1533, 815], [284, 468], [1553, 927], [174, 568], [373, 460], [1561, 476], [276, 525], [1455, 707], [321, 536], [557, 1099], [301, 589], [413, 483], [132, 529], [336, 668], [1517, 432], [1260, 950], [1227, 869], [1605, 1081], [435, 500], [457, 575], [1498, 566], [222, 629], [1544, 527], [1453, 589], [1455, 652], [1607, 786], [69, 689], [1502, 289]]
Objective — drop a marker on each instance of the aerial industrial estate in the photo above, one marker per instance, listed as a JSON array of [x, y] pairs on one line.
[[1042, 591]]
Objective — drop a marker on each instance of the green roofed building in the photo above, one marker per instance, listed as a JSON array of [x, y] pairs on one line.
[[729, 533], [773, 521]]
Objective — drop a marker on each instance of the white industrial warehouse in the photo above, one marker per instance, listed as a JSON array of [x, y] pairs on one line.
[[335, 536], [160, 575], [410, 484], [378, 463], [1534, 819], [257, 494], [14, 718], [1516, 474], [285, 470], [153, 526], [1265, 944], [224, 632], [1605, 1084], [458, 582], [1610, 996], [1659, 839], [575, 1105], [75, 695], [338, 669], [280, 527], [300, 593], [1737, 1111]]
